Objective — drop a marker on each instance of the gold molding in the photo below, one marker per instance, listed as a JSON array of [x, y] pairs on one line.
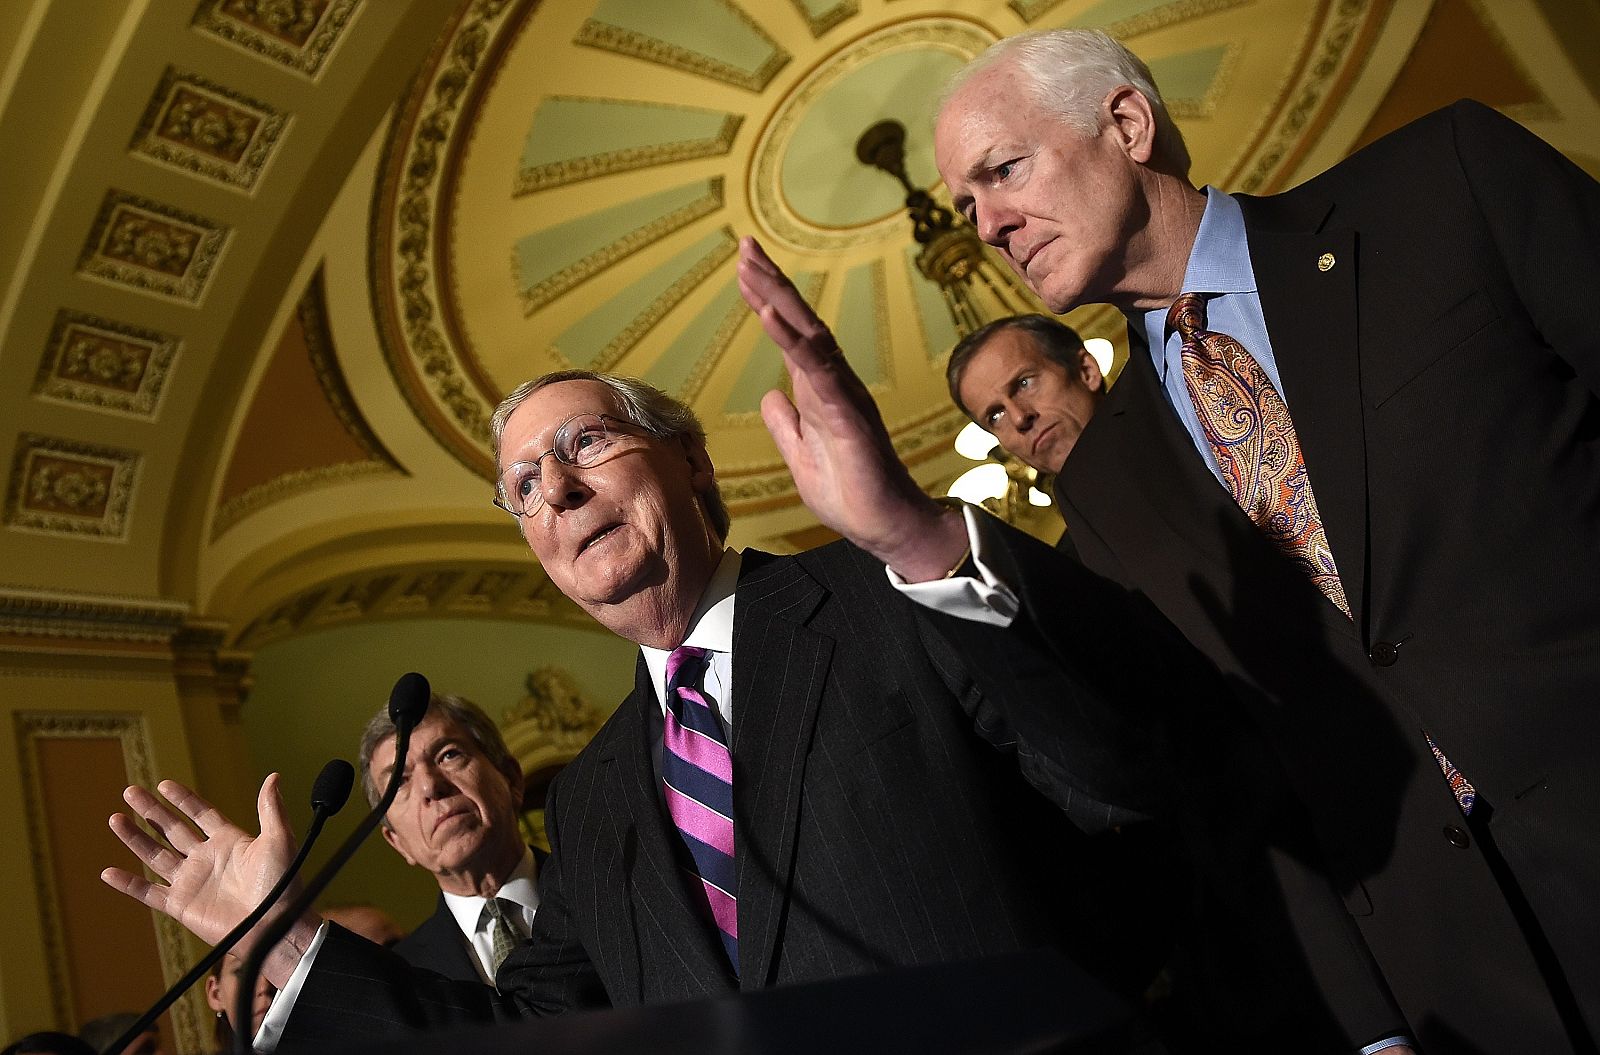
[[713, 352], [1325, 65], [606, 37], [105, 366], [480, 589], [1167, 15], [1221, 81], [548, 289], [575, 170], [259, 497], [88, 617], [313, 313], [657, 309], [767, 202], [840, 12], [153, 248], [204, 129], [298, 34], [404, 279], [62, 487]]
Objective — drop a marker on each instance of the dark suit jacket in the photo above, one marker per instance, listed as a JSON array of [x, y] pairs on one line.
[[882, 819], [1443, 378], [438, 945]]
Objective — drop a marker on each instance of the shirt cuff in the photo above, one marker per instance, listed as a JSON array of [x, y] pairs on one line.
[[1390, 1042], [981, 599], [266, 1040]]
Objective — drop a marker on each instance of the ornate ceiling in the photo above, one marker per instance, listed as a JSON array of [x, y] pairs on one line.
[[274, 261]]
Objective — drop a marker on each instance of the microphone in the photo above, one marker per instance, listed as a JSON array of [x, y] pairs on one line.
[[408, 702], [328, 796]]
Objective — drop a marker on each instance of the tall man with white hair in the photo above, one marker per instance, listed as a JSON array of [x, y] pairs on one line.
[[1355, 457]]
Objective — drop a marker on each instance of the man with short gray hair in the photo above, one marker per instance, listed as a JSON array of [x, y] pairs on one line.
[[455, 816]]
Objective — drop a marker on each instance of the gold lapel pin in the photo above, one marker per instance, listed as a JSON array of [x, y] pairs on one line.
[[1325, 262]]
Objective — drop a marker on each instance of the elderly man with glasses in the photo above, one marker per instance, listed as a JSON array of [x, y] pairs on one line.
[[810, 779]]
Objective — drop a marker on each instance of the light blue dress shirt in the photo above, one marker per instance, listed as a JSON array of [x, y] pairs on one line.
[[1219, 267]]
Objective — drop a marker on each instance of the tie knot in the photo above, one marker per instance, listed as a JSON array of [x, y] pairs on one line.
[[1187, 314], [684, 664], [497, 910]]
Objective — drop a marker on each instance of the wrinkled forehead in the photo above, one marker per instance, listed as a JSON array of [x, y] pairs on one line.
[[532, 427], [978, 113]]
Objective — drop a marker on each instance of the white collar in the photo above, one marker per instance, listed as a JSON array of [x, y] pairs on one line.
[[520, 888], [711, 627]]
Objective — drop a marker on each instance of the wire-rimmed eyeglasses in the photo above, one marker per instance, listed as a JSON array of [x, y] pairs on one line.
[[581, 441]]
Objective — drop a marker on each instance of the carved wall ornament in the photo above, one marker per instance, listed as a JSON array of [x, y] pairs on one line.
[[299, 34], [152, 247], [83, 617], [410, 328], [62, 487], [208, 130], [104, 365], [493, 590]]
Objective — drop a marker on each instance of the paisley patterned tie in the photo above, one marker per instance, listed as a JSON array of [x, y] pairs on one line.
[[1250, 432]]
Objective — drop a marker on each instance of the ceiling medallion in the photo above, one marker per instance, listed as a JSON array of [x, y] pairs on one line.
[[825, 105]]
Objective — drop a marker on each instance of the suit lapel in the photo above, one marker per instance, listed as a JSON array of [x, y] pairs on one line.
[[780, 668], [1310, 311], [1136, 436], [658, 887]]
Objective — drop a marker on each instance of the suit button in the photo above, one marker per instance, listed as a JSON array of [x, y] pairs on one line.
[[1457, 837], [1384, 653]]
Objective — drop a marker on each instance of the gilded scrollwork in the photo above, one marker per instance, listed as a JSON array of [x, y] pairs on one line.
[[203, 128], [93, 362], [299, 34], [65, 487], [152, 247]]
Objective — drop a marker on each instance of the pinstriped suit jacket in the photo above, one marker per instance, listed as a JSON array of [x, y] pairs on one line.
[[882, 819]]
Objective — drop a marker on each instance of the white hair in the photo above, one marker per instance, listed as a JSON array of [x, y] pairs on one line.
[[1070, 72]]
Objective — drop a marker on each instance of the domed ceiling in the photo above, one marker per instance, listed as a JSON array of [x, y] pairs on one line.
[[277, 260]]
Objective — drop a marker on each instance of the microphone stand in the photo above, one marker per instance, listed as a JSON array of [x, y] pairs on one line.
[[328, 796], [408, 701]]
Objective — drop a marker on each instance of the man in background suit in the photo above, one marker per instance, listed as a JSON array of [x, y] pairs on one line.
[[1033, 386], [456, 817], [1407, 608]]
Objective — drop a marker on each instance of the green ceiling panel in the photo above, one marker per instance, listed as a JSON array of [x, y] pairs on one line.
[[572, 139], [938, 328], [858, 325], [1109, 12], [684, 366], [764, 370], [714, 38], [606, 334], [1189, 76], [552, 261]]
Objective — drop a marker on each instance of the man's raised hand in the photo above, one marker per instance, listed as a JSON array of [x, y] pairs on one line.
[[834, 440], [212, 873]]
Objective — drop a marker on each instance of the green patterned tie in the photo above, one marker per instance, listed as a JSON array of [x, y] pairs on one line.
[[502, 934]]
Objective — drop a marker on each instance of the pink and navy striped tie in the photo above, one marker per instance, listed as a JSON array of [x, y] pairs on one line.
[[697, 774]]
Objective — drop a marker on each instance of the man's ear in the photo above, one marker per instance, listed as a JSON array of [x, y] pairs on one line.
[[1129, 117], [1089, 371], [702, 475], [519, 784], [214, 994], [390, 838]]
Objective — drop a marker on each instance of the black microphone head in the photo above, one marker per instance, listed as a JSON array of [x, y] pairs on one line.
[[408, 700], [332, 788]]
